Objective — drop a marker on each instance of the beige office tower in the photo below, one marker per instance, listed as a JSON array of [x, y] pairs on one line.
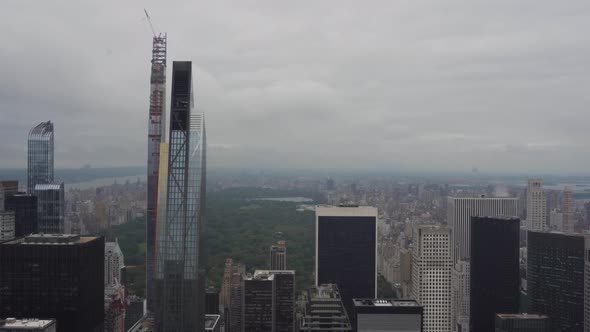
[[278, 256], [568, 210], [536, 206], [224, 295], [431, 276]]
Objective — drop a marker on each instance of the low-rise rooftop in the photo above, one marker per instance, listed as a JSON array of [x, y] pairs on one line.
[[25, 324]]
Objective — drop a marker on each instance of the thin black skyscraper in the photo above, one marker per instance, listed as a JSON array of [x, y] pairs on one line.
[[180, 293], [494, 270]]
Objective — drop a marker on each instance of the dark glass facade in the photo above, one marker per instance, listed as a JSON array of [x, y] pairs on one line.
[[50, 208], [284, 300], [40, 155], [494, 270], [62, 280], [25, 213], [258, 305], [212, 301], [180, 287], [346, 256], [556, 278]]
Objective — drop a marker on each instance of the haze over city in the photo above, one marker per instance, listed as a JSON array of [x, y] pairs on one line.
[[400, 85]]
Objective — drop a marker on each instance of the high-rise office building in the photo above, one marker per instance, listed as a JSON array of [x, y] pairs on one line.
[[346, 251], [522, 323], [6, 225], [236, 304], [258, 315], [180, 264], [40, 156], [27, 325], [555, 278], [114, 263], [224, 295], [461, 209], [568, 210], [25, 213], [494, 270], [278, 256], [321, 310], [54, 276], [459, 213], [431, 276], [9, 187], [50, 208], [269, 301], [211, 301], [388, 315], [536, 206], [156, 136], [556, 220]]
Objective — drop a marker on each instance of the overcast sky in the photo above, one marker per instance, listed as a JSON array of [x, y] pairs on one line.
[[400, 85]]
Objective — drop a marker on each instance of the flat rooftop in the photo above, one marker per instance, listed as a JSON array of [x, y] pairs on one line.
[[25, 324], [521, 316], [56, 239], [325, 291], [385, 303]]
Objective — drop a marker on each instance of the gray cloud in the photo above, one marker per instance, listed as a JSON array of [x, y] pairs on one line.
[[399, 85]]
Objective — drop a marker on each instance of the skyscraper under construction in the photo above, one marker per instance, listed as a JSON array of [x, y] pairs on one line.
[[179, 264], [156, 135]]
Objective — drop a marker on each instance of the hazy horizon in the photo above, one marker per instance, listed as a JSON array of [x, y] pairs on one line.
[[423, 86]]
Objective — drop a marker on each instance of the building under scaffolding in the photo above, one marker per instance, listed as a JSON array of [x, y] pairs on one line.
[[156, 135]]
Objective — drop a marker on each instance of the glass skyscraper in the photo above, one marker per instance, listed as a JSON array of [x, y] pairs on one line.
[[40, 155], [179, 258], [50, 208]]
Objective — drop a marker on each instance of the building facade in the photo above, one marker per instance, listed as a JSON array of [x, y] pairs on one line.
[[494, 268], [114, 262], [587, 284], [388, 315], [278, 256], [179, 265], [156, 136], [346, 251], [50, 208], [25, 213], [54, 276], [431, 276], [459, 213], [6, 225], [555, 278], [536, 206], [568, 210], [40, 155], [211, 301]]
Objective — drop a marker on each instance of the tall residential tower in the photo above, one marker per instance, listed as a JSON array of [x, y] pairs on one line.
[[536, 206], [179, 262], [40, 155], [156, 135]]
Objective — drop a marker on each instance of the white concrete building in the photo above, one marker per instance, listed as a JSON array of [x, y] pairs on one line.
[[27, 325], [431, 276], [113, 263], [536, 206]]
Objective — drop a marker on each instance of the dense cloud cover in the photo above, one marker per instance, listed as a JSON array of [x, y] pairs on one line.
[[401, 85]]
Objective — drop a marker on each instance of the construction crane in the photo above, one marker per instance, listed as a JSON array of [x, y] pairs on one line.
[[150, 22]]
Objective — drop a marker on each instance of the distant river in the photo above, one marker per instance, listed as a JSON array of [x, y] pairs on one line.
[[104, 182]]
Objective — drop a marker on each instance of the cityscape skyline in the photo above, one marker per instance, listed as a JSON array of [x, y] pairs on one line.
[[415, 82]]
